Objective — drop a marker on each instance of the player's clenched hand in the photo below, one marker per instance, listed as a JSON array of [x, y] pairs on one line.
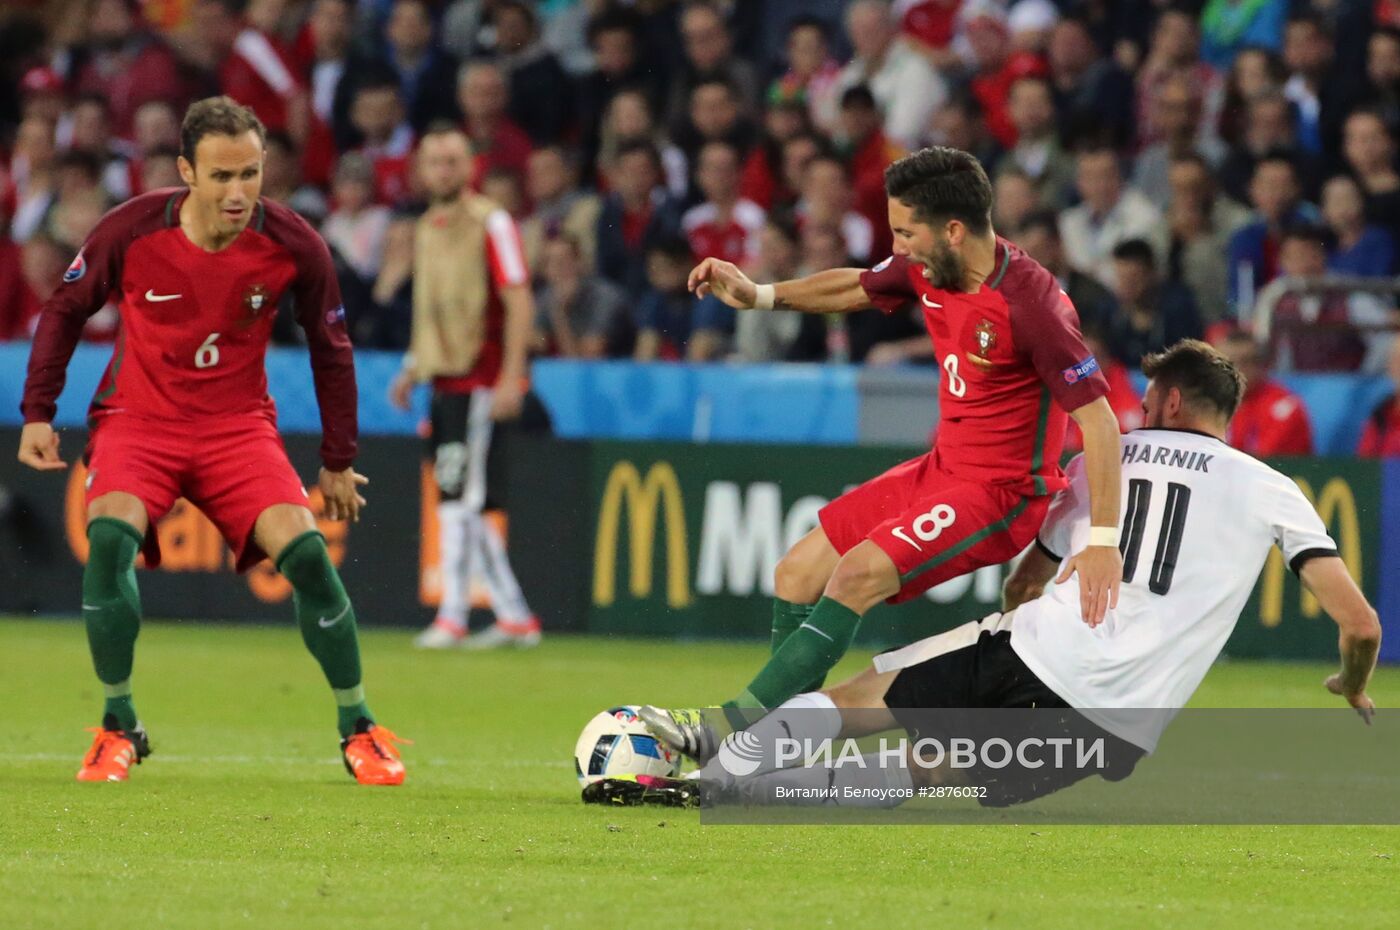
[[340, 490], [725, 281], [1359, 700], [1100, 570], [38, 447]]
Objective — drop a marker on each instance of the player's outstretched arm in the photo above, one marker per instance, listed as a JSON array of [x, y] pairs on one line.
[[1099, 565], [836, 290], [1360, 628]]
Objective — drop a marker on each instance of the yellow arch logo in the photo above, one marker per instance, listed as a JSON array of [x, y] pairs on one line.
[[1335, 505], [644, 500]]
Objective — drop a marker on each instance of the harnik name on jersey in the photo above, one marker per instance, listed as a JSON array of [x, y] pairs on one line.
[[1146, 453]]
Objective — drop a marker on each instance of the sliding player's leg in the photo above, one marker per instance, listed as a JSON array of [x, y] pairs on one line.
[[946, 531], [800, 581], [863, 577], [943, 671]]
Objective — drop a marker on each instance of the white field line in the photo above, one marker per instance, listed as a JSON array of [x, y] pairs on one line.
[[161, 758]]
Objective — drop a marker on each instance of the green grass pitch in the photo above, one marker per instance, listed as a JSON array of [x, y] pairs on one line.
[[244, 816]]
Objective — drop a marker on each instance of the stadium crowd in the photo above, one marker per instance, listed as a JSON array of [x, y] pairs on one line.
[[1165, 160]]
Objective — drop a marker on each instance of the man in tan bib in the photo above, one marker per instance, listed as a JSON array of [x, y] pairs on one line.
[[472, 311]]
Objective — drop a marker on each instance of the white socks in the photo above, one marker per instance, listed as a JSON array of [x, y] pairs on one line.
[[507, 600], [809, 719], [470, 546], [452, 567]]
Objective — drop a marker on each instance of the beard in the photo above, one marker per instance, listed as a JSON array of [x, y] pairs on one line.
[[944, 269]]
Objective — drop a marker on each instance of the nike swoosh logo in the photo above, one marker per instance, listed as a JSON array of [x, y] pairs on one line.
[[90, 607], [155, 298], [927, 303], [323, 622]]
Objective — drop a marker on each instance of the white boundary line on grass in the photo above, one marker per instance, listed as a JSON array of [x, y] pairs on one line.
[[161, 757]]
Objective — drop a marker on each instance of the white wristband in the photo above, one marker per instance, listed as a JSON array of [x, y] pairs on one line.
[[1103, 536], [764, 297]]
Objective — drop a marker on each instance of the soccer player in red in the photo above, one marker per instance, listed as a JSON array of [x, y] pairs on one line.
[[1013, 363], [182, 410]]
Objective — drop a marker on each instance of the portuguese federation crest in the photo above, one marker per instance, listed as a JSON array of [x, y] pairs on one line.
[[255, 300], [986, 336]]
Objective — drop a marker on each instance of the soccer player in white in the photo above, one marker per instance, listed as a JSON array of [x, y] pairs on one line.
[[1199, 519]]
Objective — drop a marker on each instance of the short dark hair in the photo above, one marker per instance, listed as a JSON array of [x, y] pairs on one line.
[[808, 21], [643, 146], [1044, 220], [784, 224], [217, 116], [830, 157], [1135, 250], [715, 80], [858, 96], [672, 247], [280, 139], [376, 77], [943, 183], [1312, 233], [89, 163], [523, 8], [568, 239], [1190, 157], [1276, 156], [614, 19], [1316, 20], [1202, 373], [96, 99]]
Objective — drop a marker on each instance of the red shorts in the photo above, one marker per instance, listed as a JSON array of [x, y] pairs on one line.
[[934, 526], [232, 469]]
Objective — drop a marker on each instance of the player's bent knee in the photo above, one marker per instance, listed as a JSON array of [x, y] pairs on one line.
[[280, 525], [119, 505], [864, 577], [797, 580]]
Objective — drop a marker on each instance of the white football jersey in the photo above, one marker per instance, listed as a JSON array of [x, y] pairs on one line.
[[1198, 520]]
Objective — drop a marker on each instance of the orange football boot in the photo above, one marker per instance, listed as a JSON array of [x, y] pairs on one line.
[[112, 754], [371, 756]]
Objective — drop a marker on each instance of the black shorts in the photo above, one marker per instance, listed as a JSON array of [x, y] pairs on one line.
[[469, 452], [972, 668]]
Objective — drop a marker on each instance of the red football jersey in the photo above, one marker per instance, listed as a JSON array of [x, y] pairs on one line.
[[1271, 420], [732, 239], [194, 324], [1006, 352]]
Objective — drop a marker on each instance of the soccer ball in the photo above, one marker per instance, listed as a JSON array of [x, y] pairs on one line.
[[616, 744]]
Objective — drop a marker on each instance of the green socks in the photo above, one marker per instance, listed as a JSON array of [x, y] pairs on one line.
[[327, 623], [112, 611], [787, 617], [805, 655], [112, 614]]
